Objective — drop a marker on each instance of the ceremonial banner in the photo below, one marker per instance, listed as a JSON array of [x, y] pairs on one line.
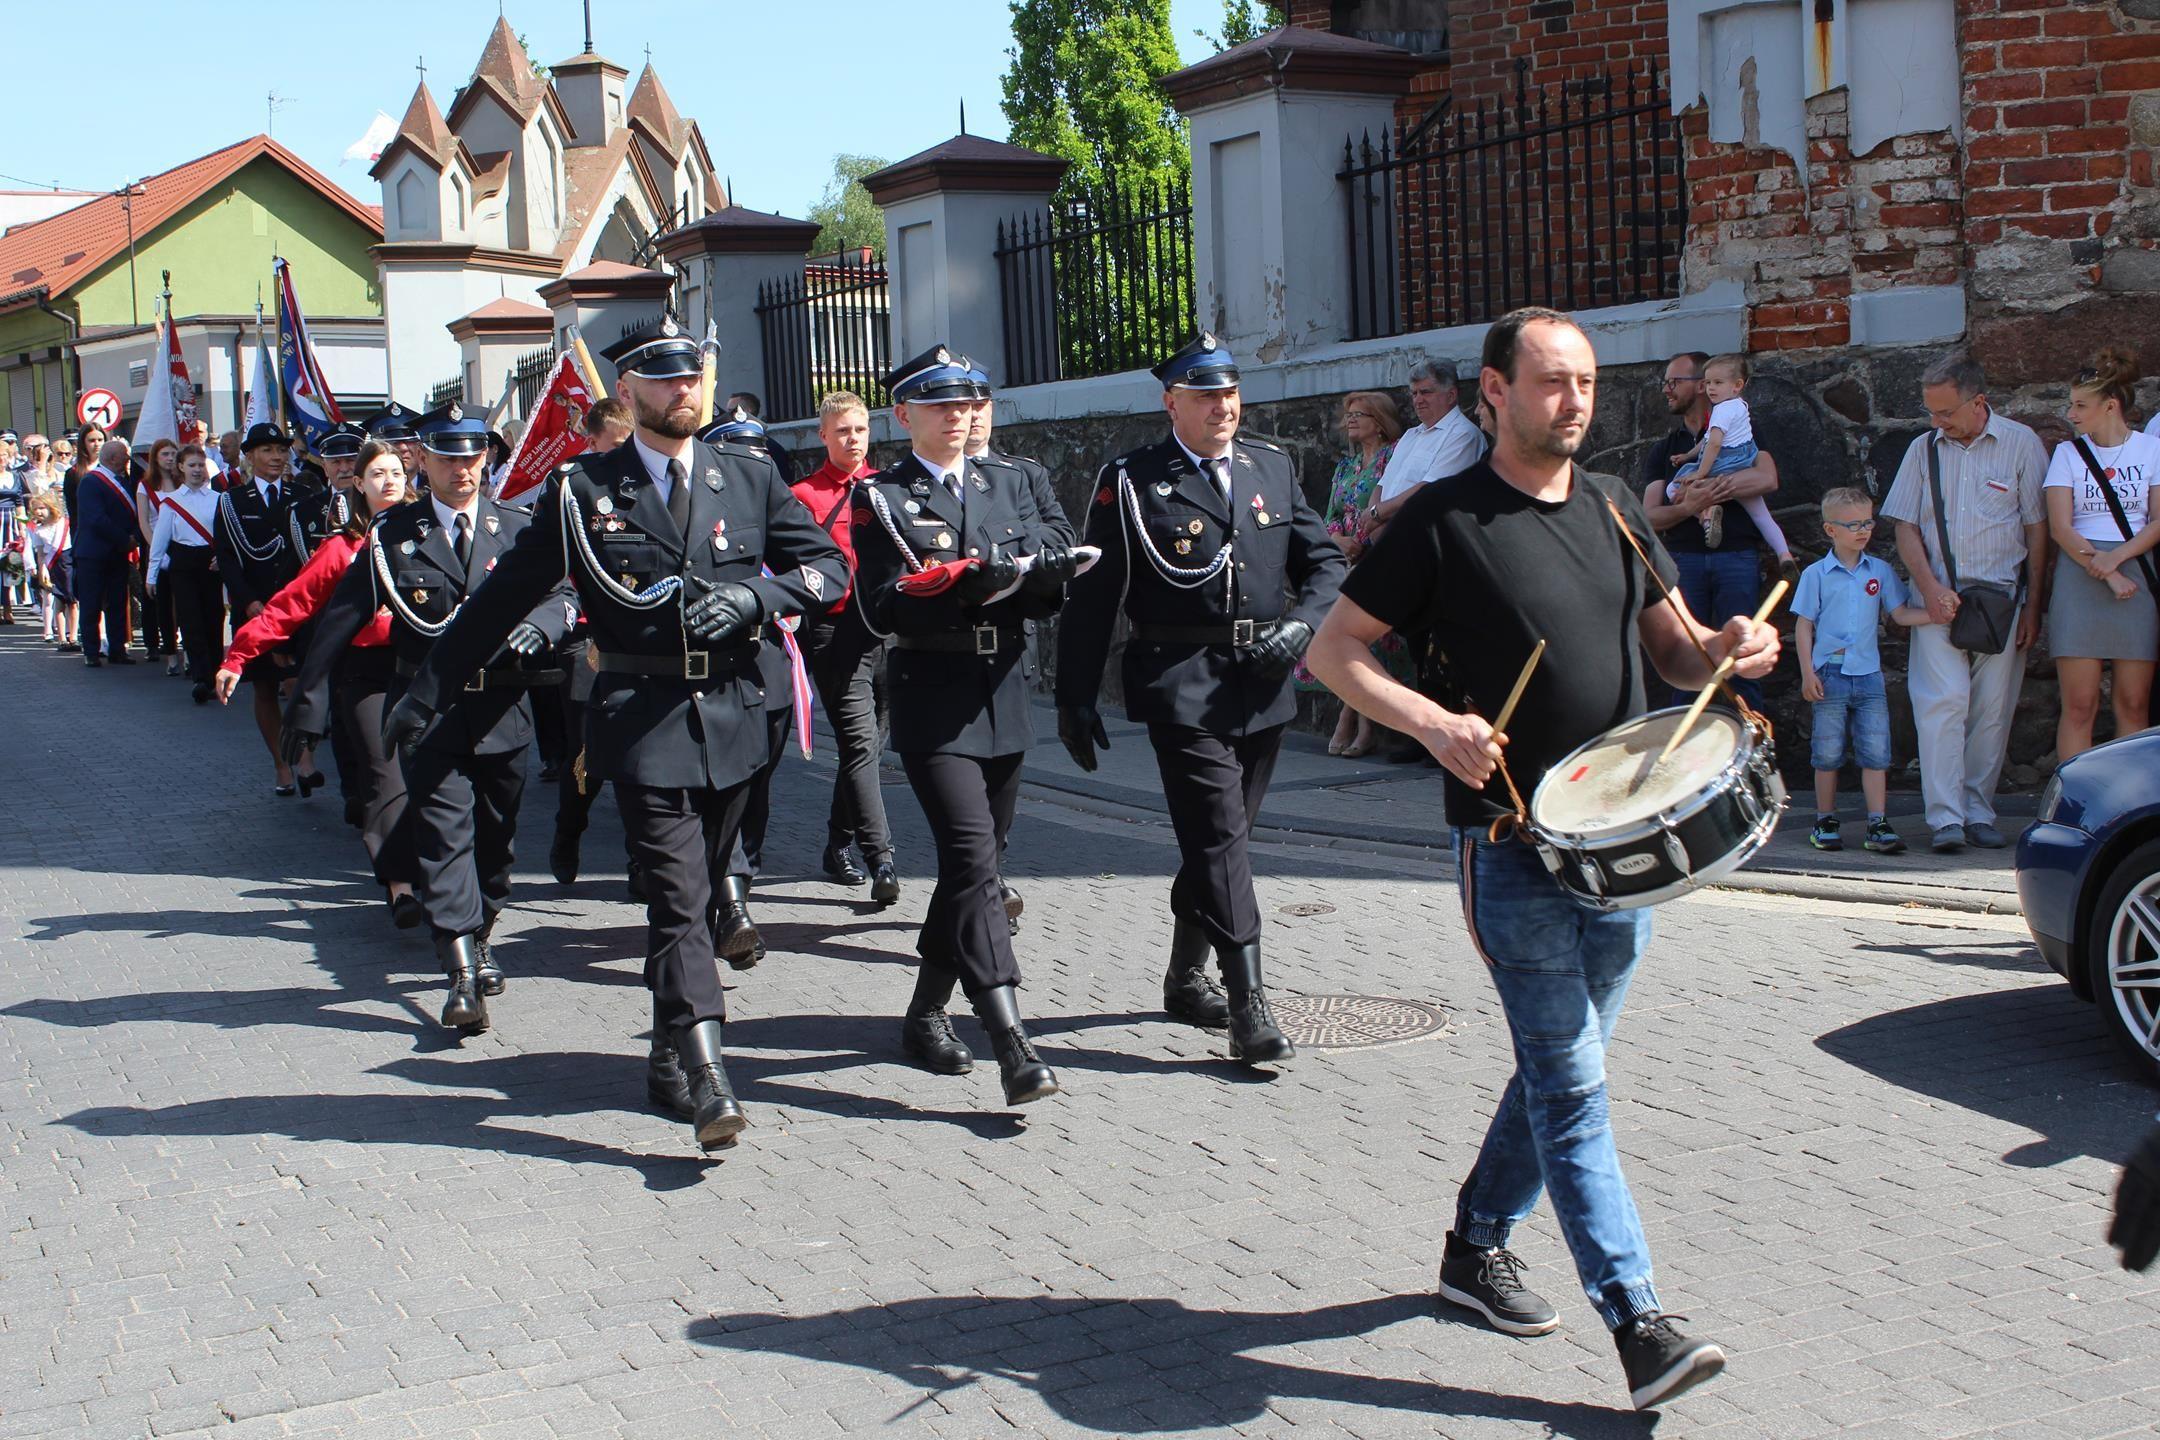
[[555, 433], [309, 406], [168, 409], [262, 390]]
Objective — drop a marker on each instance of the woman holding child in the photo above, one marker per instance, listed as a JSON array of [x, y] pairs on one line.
[[2102, 612]]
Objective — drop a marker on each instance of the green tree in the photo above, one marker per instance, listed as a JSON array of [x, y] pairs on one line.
[[1244, 20], [846, 218], [1082, 86]]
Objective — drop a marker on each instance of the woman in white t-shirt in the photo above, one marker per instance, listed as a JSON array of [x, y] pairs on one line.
[[2100, 611]]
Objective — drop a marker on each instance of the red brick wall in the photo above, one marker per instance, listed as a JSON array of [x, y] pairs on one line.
[[1311, 14], [1560, 38], [2061, 215]]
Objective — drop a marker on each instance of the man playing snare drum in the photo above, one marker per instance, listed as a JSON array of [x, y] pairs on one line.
[[1523, 547]]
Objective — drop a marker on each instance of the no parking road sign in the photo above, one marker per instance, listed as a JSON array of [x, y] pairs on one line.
[[98, 407]]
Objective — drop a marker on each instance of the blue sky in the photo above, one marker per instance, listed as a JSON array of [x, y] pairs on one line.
[[779, 88]]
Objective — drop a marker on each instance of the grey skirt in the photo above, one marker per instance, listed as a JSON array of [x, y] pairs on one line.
[[2087, 622]]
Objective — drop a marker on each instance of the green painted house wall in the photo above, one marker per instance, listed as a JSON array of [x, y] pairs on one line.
[[219, 251]]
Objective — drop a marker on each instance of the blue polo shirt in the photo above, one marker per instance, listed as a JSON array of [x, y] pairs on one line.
[[1847, 606]]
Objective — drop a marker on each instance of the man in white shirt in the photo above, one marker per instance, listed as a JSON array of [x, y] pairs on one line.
[[1991, 473], [1444, 442], [183, 560]]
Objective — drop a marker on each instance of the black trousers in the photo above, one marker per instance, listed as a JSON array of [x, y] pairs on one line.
[[362, 679], [747, 855], [161, 632], [674, 835], [101, 588], [551, 724], [844, 669], [463, 812], [969, 803], [1215, 784], [198, 602]]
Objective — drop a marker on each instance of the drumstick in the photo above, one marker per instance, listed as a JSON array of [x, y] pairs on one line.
[[1522, 683], [1717, 678]]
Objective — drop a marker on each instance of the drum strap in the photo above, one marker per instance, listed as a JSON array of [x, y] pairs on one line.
[[1753, 717]]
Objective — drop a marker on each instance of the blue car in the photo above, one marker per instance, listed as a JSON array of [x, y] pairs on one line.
[[2088, 872]]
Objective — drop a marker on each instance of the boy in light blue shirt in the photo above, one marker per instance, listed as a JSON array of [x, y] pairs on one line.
[[1837, 617]]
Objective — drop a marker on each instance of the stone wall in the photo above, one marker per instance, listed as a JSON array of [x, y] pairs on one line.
[[1829, 418]]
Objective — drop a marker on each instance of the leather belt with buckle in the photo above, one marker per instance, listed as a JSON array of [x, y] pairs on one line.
[[694, 665], [1239, 633], [978, 640]]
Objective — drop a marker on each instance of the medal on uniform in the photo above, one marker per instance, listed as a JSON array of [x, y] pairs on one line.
[[1263, 517], [629, 581], [604, 505], [912, 508], [719, 535], [1184, 547], [406, 547], [419, 597], [943, 539], [1162, 487], [1192, 527]]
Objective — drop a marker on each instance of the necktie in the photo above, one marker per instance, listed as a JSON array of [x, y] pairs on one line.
[[270, 497], [952, 483], [462, 541], [678, 497], [1219, 471]]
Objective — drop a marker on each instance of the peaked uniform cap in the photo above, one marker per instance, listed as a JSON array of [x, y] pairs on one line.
[[451, 431], [393, 422], [935, 377], [660, 350], [1201, 363]]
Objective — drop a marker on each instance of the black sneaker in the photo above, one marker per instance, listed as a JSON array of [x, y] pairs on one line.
[[1490, 1282], [1825, 835], [1882, 839], [1660, 1361]]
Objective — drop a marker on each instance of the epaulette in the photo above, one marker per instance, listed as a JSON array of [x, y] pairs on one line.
[[1259, 444]]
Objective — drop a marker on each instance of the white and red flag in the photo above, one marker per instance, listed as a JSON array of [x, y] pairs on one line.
[[556, 431]]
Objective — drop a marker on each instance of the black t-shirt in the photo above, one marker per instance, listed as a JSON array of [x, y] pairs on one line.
[[1490, 572], [1688, 534]]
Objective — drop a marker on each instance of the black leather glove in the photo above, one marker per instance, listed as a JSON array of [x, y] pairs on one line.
[[407, 721], [994, 574], [2135, 1230], [721, 610], [526, 640], [292, 742], [1054, 567], [1080, 730], [1282, 648]]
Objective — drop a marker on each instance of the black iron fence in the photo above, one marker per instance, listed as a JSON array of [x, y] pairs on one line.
[[1101, 283], [529, 376], [830, 329], [447, 391], [1570, 195]]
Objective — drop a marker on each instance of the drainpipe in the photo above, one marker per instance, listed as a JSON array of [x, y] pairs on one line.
[[74, 329]]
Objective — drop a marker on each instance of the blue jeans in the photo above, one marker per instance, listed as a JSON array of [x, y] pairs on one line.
[[1562, 970], [1717, 585], [1854, 709]]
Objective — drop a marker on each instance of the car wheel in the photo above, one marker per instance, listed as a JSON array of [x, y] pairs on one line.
[[2123, 952]]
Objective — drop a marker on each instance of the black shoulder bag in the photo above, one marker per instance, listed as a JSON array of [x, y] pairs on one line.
[[2114, 504], [1987, 612]]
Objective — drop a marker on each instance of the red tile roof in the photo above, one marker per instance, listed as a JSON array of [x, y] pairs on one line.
[[650, 107], [58, 253], [424, 129]]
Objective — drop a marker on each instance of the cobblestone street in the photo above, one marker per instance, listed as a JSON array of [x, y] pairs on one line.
[[251, 1189]]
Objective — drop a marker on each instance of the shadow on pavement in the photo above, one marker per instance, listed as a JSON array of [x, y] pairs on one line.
[[1187, 1368], [2033, 1056]]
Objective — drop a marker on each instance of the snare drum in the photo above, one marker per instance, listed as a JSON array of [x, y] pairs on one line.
[[1619, 831]]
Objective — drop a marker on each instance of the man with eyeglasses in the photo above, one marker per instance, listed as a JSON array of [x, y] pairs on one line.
[[1990, 470], [1720, 579]]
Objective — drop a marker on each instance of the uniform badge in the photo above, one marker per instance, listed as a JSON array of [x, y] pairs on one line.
[[1102, 496], [407, 547], [1184, 547], [719, 535], [919, 487], [982, 485], [419, 597], [629, 581], [604, 505], [814, 582], [712, 479], [943, 540], [493, 525], [1262, 517], [912, 508], [1162, 487], [1192, 527]]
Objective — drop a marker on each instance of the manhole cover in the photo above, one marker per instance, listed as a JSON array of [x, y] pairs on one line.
[[1354, 1022], [1306, 908]]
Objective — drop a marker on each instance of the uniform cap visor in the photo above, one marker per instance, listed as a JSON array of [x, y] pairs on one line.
[[456, 445]]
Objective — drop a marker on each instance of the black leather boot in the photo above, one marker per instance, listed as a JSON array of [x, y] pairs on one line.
[[735, 937], [843, 867], [1253, 1036], [927, 1035], [1026, 1077], [665, 1084], [884, 885], [714, 1115], [1187, 992], [491, 975], [563, 856], [465, 1009], [1014, 906]]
